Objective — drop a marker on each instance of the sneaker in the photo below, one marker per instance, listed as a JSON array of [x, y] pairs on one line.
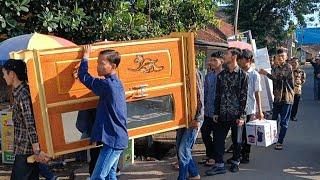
[[216, 170], [234, 168]]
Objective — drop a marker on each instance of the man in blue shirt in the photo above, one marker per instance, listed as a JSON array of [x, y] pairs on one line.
[[110, 126], [214, 68]]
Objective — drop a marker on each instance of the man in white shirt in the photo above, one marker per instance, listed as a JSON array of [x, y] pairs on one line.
[[253, 107]]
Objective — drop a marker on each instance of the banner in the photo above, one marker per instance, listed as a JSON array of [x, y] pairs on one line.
[[262, 62], [7, 135]]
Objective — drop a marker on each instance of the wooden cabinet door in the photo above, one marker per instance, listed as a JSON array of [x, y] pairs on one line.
[[158, 76]]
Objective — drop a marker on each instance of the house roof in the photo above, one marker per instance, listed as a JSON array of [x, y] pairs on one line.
[[216, 34], [311, 49]]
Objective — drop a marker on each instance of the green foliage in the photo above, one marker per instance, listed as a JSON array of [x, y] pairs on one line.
[[86, 21], [270, 21], [201, 59]]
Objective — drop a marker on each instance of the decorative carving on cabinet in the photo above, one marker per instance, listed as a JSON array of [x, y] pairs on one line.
[[146, 65]]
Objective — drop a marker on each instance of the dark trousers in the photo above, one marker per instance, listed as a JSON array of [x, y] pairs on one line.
[[295, 105], [284, 110], [207, 131], [22, 170], [94, 154], [316, 88], [245, 151], [220, 134]]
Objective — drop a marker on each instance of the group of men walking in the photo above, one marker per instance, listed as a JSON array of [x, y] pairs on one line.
[[232, 89]]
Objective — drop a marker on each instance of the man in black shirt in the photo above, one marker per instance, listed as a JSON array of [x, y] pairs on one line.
[[230, 104]]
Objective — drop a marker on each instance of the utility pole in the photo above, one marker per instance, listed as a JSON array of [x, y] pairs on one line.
[[236, 18]]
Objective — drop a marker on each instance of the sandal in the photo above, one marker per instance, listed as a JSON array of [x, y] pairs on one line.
[[210, 162], [278, 146]]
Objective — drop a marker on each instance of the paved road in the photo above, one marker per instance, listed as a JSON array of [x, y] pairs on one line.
[[300, 158]]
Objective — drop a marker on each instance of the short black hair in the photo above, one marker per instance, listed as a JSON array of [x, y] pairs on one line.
[[217, 54], [17, 66], [247, 54], [235, 51], [112, 56], [281, 51]]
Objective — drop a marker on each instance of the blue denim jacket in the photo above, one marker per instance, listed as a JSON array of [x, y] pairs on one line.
[[110, 126]]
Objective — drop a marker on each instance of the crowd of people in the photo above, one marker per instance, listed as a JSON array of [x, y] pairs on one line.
[[232, 89], [227, 98]]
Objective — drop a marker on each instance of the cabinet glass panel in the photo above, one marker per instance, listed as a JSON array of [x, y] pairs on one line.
[[150, 111], [77, 125]]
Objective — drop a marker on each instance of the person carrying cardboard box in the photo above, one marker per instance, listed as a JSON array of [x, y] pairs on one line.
[[283, 91], [253, 99]]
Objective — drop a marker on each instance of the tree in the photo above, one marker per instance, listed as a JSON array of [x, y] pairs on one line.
[[270, 21], [85, 21]]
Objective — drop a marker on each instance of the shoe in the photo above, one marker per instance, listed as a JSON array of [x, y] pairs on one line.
[[234, 168], [216, 170], [194, 178], [245, 160], [278, 147]]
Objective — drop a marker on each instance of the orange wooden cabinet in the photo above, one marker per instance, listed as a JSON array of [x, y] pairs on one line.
[[158, 76]]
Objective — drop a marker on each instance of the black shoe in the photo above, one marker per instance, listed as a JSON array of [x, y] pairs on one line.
[[245, 160], [216, 170], [234, 168]]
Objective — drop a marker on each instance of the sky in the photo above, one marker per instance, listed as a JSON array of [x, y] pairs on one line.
[[316, 22]]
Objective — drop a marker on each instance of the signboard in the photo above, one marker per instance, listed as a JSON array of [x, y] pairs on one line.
[[262, 62], [158, 77], [7, 136]]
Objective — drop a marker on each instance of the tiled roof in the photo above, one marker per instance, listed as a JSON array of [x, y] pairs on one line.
[[216, 34]]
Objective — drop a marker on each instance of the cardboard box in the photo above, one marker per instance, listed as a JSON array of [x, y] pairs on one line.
[[261, 133]]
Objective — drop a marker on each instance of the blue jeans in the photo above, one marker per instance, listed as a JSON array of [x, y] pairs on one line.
[[186, 162], [46, 172], [106, 165], [316, 88], [284, 110]]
